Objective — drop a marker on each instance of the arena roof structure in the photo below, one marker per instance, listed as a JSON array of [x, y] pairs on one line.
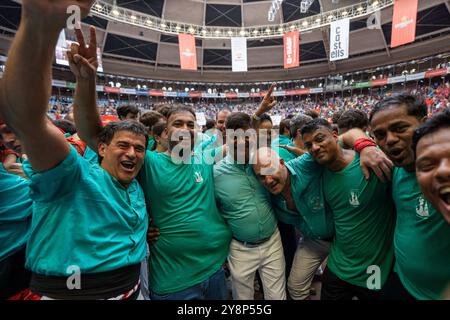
[[133, 49]]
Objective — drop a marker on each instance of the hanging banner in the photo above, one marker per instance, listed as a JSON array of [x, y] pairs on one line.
[[404, 22], [436, 73], [415, 76], [291, 50], [112, 90], [239, 54], [316, 90], [396, 79], [128, 91], [195, 94], [379, 82], [188, 53], [339, 39], [156, 93]]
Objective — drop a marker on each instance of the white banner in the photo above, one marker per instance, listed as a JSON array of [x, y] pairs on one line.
[[239, 54], [279, 93], [397, 79], [59, 83], [243, 95], [339, 39], [127, 91], [316, 90], [415, 76]]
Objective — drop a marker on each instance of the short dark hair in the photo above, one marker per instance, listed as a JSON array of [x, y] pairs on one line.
[[436, 122], [123, 110], [158, 130], [312, 113], [164, 109], [415, 105], [265, 117], [66, 126], [150, 118], [298, 122], [316, 124], [210, 123], [336, 115], [353, 118], [181, 109], [285, 124], [108, 132], [238, 120]]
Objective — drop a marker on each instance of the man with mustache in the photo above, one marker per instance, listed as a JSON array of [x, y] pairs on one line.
[[422, 236], [89, 221], [432, 146]]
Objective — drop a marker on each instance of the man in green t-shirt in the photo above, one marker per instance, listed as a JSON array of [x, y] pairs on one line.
[[245, 205], [89, 222], [361, 256], [422, 236], [432, 146]]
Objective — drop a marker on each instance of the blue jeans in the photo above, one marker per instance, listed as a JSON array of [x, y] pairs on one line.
[[213, 288]]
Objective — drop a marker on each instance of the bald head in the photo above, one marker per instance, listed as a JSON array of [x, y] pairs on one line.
[[271, 170]]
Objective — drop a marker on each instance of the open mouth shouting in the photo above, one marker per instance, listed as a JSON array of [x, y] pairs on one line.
[[128, 166]]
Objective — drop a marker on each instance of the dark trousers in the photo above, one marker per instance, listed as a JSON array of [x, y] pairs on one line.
[[334, 288], [13, 275], [289, 241], [394, 290]]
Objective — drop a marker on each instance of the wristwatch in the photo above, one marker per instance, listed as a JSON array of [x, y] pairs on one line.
[[255, 117]]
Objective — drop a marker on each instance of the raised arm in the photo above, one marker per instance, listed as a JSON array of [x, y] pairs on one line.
[[26, 86], [266, 105], [83, 63]]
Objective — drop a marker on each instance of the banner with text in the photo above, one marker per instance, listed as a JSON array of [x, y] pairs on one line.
[[291, 50], [239, 54], [404, 22], [339, 39], [188, 53]]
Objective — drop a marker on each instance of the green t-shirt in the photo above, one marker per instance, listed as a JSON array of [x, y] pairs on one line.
[[282, 152], [151, 142], [194, 238], [243, 201], [422, 240], [83, 216], [364, 221], [307, 192], [15, 213]]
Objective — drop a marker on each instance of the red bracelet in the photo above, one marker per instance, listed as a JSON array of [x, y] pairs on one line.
[[362, 143]]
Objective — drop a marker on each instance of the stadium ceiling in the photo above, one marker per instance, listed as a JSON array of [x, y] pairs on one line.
[[130, 49]]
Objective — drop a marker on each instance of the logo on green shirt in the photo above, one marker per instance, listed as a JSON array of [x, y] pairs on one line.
[[198, 177], [422, 208], [354, 198]]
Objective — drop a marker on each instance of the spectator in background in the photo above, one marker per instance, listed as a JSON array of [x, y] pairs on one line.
[[127, 112]]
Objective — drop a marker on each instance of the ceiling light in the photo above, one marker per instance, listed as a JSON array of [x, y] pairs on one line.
[[115, 12]]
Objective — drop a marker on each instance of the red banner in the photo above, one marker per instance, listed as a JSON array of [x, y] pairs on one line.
[[112, 90], [404, 22], [156, 93], [188, 54], [379, 83], [297, 92], [195, 94], [436, 73], [231, 95], [291, 50]]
